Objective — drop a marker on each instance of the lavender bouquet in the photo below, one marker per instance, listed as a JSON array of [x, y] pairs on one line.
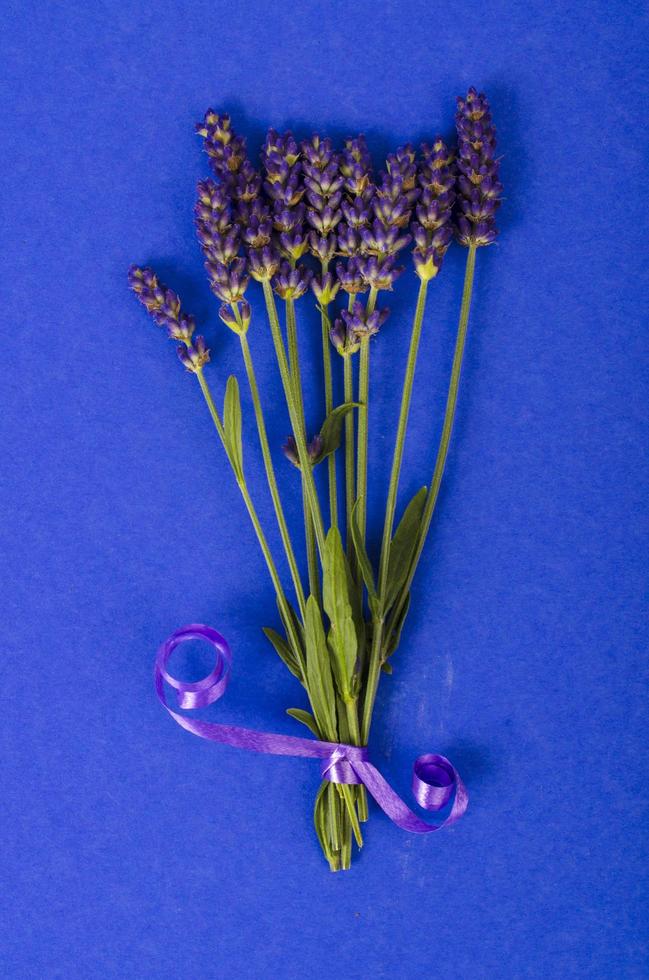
[[317, 219]]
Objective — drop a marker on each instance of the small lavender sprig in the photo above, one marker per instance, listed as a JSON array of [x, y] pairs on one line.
[[231, 215], [164, 306], [284, 186], [479, 192], [435, 178]]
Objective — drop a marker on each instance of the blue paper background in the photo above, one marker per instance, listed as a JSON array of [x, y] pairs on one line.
[[131, 849]]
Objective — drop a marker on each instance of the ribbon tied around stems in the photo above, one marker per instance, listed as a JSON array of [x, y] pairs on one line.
[[434, 780]]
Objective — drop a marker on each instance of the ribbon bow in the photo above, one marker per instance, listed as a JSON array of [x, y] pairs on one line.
[[434, 778]]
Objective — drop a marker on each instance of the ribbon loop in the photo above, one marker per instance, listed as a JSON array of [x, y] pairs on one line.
[[434, 781]]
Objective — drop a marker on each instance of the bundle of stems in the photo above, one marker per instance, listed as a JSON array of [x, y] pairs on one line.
[[342, 621]]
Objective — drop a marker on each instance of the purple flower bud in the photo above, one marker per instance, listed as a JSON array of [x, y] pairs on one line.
[[278, 171], [245, 186], [344, 340], [379, 273], [362, 324], [226, 314], [381, 241], [325, 288], [350, 278], [195, 356], [357, 212], [348, 241], [314, 449], [217, 247], [235, 317], [263, 263], [281, 145], [323, 221], [482, 233], [323, 247], [257, 233], [356, 152], [228, 283], [289, 194], [392, 212], [288, 219], [291, 283], [401, 164], [325, 183], [293, 245], [182, 328], [317, 152]]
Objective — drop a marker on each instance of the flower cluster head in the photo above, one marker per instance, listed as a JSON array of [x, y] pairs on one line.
[[353, 326], [432, 230], [325, 288], [314, 449], [479, 189], [291, 283], [195, 356], [165, 308]]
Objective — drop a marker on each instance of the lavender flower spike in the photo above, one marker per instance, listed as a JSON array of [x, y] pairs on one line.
[[478, 184], [433, 230], [162, 303]]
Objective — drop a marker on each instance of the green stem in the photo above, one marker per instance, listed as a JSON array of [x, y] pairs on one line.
[[363, 422], [329, 404], [401, 436], [351, 710], [250, 507], [447, 428], [294, 368], [270, 474], [397, 458], [350, 481], [303, 455]]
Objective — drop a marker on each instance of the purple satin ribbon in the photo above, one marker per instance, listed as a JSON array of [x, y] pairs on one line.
[[434, 779]]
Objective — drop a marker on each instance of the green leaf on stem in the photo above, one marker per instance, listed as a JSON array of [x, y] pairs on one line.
[[331, 430], [319, 681], [343, 638], [283, 650], [403, 547], [232, 425], [361, 553], [394, 639], [306, 718]]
